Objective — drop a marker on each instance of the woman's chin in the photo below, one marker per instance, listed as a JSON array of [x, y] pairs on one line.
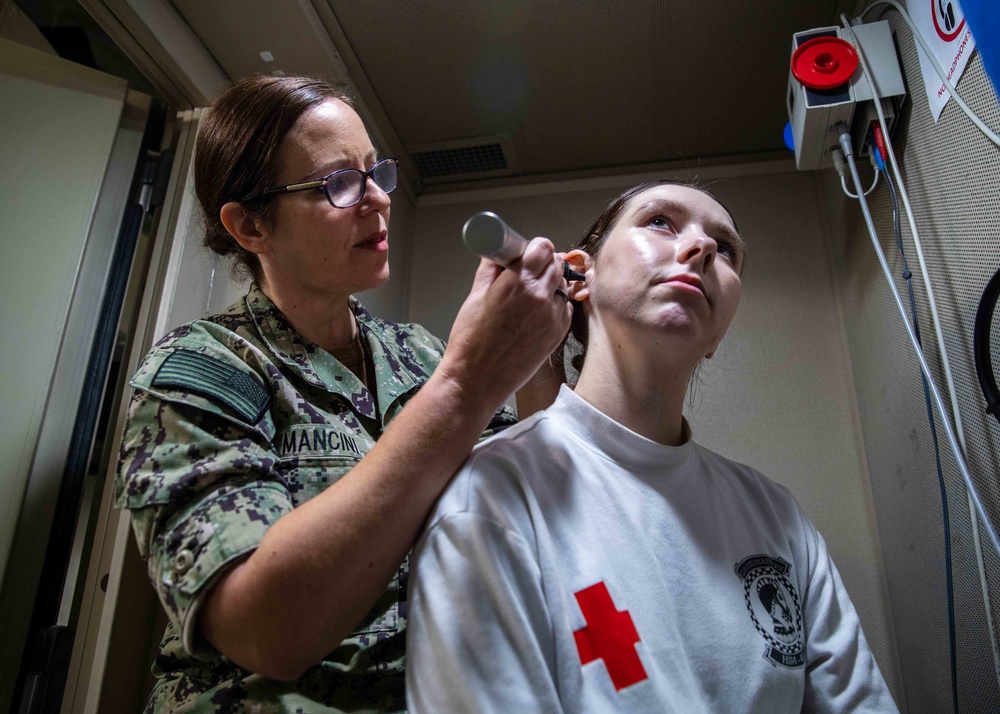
[[676, 324], [680, 337], [377, 280]]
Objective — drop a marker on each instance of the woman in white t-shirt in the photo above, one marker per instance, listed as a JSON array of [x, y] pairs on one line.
[[596, 558]]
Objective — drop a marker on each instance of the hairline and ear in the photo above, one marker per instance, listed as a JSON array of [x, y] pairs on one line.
[[245, 228]]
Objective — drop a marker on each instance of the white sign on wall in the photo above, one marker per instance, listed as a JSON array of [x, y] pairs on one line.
[[942, 24]]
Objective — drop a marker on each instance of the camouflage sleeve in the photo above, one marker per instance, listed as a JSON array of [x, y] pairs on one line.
[[505, 416], [199, 486]]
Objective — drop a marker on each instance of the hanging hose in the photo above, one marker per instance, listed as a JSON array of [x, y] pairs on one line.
[[981, 345]]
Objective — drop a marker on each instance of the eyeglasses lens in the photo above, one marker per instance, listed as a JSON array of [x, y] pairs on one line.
[[385, 175], [346, 188]]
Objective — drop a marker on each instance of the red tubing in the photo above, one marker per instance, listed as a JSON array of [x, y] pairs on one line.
[[880, 142]]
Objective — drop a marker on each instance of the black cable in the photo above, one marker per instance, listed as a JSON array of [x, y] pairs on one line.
[[981, 345], [908, 277]]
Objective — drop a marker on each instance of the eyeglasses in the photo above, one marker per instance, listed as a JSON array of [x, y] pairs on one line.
[[346, 187]]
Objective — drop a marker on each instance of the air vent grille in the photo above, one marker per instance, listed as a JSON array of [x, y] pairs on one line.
[[468, 159], [461, 160]]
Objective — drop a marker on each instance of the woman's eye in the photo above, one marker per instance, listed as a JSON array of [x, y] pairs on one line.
[[727, 250], [336, 184], [661, 222]]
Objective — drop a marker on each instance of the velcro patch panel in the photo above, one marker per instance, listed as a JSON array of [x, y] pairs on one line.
[[210, 377]]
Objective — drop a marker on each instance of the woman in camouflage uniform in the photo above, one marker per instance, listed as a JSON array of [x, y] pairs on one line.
[[274, 478]]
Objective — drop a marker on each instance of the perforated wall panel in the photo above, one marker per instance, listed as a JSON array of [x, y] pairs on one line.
[[951, 172]]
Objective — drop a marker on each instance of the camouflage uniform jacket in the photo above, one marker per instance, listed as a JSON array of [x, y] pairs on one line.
[[236, 419]]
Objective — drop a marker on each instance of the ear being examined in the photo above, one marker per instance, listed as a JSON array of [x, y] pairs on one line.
[[581, 262]]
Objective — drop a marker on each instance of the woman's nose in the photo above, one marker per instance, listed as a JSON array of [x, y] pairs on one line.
[[375, 196], [697, 247]]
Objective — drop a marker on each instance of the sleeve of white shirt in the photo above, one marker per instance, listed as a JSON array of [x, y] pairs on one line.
[[841, 672], [479, 633]]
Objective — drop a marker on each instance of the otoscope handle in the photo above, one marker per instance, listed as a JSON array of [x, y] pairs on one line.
[[487, 235]]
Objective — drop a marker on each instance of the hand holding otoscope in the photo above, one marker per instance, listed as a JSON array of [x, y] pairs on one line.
[[486, 235]]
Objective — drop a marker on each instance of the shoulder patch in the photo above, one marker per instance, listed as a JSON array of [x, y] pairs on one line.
[[210, 377]]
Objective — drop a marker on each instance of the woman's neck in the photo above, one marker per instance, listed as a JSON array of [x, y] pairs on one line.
[[642, 389], [323, 320]]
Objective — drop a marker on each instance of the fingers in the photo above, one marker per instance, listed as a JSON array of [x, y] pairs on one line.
[[538, 257], [486, 273], [538, 273], [512, 321], [539, 269]]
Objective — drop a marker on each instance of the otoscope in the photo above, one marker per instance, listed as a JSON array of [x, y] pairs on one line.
[[486, 235]]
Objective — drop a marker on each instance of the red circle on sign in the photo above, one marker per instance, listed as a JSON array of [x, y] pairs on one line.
[[943, 32], [824, 62]]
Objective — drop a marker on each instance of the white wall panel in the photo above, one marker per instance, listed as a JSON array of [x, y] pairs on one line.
[[57, 128]]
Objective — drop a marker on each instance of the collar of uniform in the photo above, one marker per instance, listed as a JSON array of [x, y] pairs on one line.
[[633, 452], [396, 371], [304, 358]]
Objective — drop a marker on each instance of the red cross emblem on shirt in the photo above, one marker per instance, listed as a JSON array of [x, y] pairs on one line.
[[609, 635]]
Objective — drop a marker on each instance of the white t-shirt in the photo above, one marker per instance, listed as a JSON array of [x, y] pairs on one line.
[[574, 565]]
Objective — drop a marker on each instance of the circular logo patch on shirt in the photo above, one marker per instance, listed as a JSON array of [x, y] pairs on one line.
[[774, 608]]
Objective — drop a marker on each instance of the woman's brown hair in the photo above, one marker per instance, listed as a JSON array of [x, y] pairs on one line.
[[237, 152]]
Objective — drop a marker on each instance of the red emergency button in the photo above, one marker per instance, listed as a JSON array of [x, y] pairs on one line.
[[824, 62]]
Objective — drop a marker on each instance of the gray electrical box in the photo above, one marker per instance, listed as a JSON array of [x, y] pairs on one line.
[[814, 113]]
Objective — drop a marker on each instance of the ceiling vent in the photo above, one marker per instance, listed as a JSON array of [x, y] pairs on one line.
[[465, 159]]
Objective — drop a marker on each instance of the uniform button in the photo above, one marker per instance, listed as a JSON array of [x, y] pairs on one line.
[[183, 561]]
